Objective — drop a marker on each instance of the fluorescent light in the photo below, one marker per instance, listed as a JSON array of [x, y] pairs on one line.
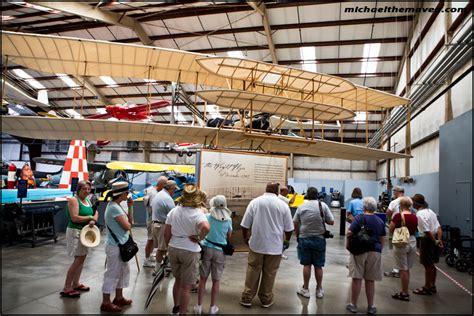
[[67, 80], [22, 74], [235, 53], [73, 113], [360, 116], [35, 84], [308, 55], [109, 81], [101, 111], [149, 80], [370, 51]]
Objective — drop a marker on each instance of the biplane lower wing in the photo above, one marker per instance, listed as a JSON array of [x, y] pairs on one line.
[[66, 128]]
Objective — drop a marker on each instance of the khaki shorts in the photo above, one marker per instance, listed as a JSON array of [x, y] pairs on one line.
[[149, 230], [183, 264], [73, 242], [405, 256], [159, 236], [367, 266], [213, 262]]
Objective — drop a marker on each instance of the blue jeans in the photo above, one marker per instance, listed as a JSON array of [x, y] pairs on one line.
[[312, 251]]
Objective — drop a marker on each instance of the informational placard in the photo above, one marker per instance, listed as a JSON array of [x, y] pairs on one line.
[[239, 175]]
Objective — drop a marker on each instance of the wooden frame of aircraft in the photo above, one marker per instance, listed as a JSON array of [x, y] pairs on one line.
[[242, 84]]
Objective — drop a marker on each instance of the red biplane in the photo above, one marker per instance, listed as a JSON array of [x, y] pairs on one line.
[[131, 112]]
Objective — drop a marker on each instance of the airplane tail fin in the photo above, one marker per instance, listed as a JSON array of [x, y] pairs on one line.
[[75, 165]]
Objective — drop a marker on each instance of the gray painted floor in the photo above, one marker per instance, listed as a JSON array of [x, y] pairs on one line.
[[33, 277]]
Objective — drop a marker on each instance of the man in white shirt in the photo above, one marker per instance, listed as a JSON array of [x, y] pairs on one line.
[[283, 196], [268, 217], [430, 246], [394, 208], [147, 199]]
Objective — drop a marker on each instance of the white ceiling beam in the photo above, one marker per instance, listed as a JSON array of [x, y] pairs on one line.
[[97, 14], [261, 9]]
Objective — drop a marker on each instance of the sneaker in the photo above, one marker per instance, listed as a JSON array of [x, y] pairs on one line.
[[197, 309], [267, 305], [303, 292], [393, 274], [147, 263], [371, 310], [213, 310], [245, 304], [351, 308], [319, 293]]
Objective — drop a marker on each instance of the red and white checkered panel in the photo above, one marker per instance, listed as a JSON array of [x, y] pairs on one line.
[[75, 165]]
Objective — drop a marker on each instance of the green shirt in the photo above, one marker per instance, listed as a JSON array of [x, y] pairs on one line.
[[84, 210]]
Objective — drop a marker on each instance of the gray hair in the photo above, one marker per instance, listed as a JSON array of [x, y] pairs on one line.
[[369, 204]]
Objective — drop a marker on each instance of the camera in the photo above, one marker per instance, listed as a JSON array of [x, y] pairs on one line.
[[328, 234]]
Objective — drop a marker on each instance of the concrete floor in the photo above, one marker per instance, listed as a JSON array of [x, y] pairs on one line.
[[33, 277]]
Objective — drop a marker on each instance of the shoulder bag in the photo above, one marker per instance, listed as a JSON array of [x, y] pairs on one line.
[[228, 248], [401, 235]]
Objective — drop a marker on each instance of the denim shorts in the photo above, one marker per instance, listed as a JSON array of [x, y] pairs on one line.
[[312, 251]]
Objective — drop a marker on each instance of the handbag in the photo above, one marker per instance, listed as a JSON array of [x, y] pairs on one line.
[[228, 248], [401, 235], [127, 250], [362, 241]]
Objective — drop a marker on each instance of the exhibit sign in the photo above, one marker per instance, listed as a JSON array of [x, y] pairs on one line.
[[239, 175]]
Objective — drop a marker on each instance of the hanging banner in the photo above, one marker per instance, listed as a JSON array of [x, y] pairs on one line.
[[239, 175]]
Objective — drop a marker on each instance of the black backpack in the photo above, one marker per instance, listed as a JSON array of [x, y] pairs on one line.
[[361, 242]]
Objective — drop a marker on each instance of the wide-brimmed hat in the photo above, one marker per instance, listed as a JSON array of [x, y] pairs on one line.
[[90, 236], [219, 208], [119, 188], [419, 200], [191, 196]]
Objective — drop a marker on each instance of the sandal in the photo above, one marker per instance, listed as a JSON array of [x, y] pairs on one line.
[[110, 307], [70, 294], [401, 296], [82, 287], [422, 291], [433, 289], [122, 301]]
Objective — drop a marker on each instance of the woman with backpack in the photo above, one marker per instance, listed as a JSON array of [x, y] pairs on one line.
[[366, 265]]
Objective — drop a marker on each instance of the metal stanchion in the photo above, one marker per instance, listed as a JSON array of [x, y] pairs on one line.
[[342, 222]]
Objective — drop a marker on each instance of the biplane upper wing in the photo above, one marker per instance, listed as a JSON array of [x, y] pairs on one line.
[[83, 57], [257, 102], [66, 128], [150, 167]]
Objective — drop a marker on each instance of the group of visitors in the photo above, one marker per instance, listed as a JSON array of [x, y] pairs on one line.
[[192, 238], [414, 214]]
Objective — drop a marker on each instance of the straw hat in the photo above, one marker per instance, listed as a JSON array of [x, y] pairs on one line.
[[191, 196], [119, 188], [90, 236]]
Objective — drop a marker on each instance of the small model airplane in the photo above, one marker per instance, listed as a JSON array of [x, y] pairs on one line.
[[185, 148], [131, 112]]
